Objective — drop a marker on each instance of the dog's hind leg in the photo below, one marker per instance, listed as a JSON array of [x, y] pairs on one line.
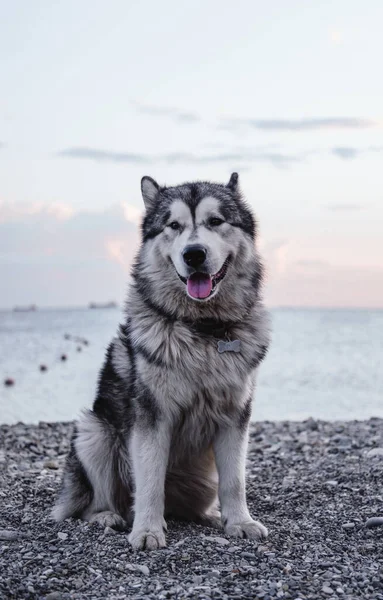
[[101, 458], [106, 461], [76, 492]]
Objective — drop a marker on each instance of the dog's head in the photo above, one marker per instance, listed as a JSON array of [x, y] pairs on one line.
[[197, 237]]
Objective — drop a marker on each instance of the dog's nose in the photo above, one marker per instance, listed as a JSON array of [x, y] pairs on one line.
[[194, 255]]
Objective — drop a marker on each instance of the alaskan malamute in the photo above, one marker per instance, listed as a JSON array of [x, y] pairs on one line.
[[168, 432]]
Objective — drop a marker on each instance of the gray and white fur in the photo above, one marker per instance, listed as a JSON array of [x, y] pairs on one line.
[[167, 435]]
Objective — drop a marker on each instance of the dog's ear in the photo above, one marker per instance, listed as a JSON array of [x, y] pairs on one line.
[[233, 182], [149, 189]]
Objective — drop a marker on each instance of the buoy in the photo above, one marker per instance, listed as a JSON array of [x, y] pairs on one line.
[[66, 336], [63, 357], [79, 349], [85, 342], [9, 381], [43, 368]]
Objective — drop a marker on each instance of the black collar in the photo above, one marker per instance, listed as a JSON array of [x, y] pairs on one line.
[[212, 327]]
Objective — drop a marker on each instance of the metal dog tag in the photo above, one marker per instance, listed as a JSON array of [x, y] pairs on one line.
[[234, 346]]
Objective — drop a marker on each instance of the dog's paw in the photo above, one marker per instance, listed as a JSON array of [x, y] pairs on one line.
[[252, 530], [107, 518], [145, 539]]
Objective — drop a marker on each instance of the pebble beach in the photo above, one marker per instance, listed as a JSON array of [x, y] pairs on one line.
[[317, 486]]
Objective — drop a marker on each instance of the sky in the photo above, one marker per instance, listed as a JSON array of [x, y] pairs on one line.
[[96, 94]]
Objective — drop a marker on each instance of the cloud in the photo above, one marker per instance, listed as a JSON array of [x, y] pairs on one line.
[[347, 207], [346, 152], [316, 283], [277, 159], [350, 153], [298, 125], [103, 155], [275, 253], [169, 112], [13, 212], [242, 156], [52, 255]]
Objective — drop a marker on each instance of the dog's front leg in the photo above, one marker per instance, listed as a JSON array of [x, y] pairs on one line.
[[230, 449], [150, 453]]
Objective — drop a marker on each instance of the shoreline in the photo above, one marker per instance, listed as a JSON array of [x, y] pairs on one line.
[[313, 483]]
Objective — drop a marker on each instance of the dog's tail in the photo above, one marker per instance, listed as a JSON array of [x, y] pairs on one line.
[[76, 492]]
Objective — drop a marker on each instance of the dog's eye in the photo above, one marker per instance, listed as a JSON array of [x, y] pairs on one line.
[[215, 221], [174, 225]]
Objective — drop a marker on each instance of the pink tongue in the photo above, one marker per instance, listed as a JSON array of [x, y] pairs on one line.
[[199, 285]]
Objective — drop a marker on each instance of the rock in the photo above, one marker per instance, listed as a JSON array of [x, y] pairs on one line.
[[348, 525], [110, 531], [332, 483], [63, 357], [218, 540], [375, 452], [43, 368], [62, 536], [51, 464], [54, 596], [275, 448], [213, 574], [288, 482], [143, 569], [327, 590], [303, 438], [9, 535], [374, 522], [9, 381]]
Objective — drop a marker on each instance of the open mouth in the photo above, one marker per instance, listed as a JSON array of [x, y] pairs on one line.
[[202, 285]]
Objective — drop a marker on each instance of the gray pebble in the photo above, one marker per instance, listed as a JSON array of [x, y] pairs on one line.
[[348, 525], [110, 531], [9, 535], [143, 569], [62, 536], [218, 540], [375, 452], [327, 590], [51, 464], [374, 522]]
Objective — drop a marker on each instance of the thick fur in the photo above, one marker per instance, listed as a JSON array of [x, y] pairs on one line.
[[168, 431]]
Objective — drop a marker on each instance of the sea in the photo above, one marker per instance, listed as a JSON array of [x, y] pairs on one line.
[[323, 363]]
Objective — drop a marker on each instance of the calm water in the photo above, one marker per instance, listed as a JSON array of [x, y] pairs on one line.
[[323, 363]]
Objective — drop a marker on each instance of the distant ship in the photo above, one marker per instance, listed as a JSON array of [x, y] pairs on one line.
[[30, 308], [103, 305]]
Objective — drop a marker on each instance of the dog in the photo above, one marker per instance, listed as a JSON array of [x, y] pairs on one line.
[[168, 432]]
